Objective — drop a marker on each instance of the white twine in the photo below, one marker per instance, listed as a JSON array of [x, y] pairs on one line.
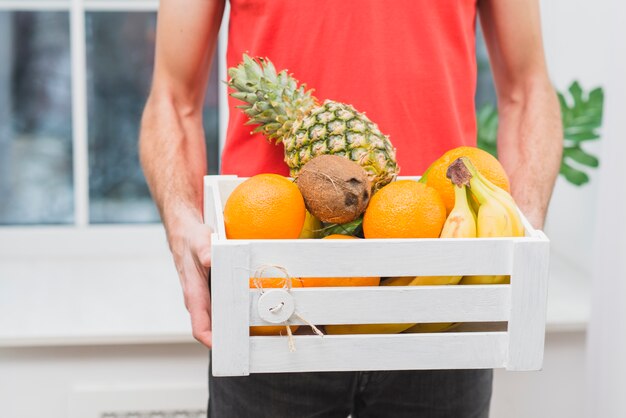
[[259, 272], [258, 283]]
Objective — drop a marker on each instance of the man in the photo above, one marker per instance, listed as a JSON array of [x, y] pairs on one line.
[[410, 65]]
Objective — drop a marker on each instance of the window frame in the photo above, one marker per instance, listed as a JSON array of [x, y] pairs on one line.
[[79, 234]]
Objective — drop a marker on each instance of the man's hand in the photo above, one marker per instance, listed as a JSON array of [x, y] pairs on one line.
[[172, 144], [530, 136], [192, 256]]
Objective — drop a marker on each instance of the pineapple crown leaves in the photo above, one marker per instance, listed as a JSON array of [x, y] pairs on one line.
[[274, 101], [582, 118]]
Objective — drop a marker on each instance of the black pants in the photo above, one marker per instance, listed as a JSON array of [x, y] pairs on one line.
[[396, 394]]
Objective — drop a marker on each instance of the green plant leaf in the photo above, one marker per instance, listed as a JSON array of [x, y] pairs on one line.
[[582, 114], [353, 228], [581, 157], [573, 175]]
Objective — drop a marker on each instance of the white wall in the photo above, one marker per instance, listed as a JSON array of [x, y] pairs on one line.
[[607, 331], [558, 391], [50, 382], [576, 49]]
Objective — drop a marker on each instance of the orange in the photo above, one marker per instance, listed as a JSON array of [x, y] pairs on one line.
[[266, 283], [404, 209], [340, 281], [264, 206], [487, 164]]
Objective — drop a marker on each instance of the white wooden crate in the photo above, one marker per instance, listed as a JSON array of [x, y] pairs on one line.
[[235, 307]]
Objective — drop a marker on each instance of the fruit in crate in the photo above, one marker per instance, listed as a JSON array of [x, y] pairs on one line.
[[339, 281], [422, 280], [335, 189], [460, 223], [497, 215], [269, 283], [287, 113], [373, 328], [266, 206], [435, 176], [404, 209], [432, 327], [311, 228], [500, 279]]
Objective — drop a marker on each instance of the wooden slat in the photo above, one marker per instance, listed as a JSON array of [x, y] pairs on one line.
[[230, 310], [386, 257], [529, 230], [379, 352], [529, 291], [209, 202], [398, 304], [214, 199], [226, 186]]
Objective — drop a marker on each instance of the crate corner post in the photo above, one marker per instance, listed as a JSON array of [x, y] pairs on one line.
[[529, 288], [230, 306]]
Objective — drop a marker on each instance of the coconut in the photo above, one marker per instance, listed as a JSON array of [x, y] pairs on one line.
[[335, 189]]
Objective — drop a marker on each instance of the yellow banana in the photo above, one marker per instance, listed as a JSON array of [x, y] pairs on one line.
[[461, 223], [396, 328], [421, 281], [375, 328], [505, 199], [311, 226], [398, 281], [435, 280], [493, 219], [498, 216], [486, 280], [433, 327]]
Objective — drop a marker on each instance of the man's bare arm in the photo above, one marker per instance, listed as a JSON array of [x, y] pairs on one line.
[[172, 147], [530, 138]]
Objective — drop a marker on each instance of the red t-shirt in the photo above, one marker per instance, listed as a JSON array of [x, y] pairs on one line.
[[410, 65]]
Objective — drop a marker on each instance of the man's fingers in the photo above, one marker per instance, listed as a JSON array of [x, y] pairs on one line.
[[200, 331], [205, 257], [193, 271], [199, 307], [202, 245], [198, 302]]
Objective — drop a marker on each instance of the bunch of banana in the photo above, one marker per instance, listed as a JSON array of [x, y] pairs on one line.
[[497, 212]]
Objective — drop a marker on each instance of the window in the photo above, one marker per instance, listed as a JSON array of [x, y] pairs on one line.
[[35, 118], [74, 77]]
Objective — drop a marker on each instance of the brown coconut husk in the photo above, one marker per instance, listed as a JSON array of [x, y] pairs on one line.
[[335, 189]]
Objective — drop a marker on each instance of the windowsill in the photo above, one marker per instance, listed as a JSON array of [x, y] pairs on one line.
[[128, 292]]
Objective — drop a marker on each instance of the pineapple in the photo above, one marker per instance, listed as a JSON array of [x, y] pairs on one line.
[[287, 112]]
